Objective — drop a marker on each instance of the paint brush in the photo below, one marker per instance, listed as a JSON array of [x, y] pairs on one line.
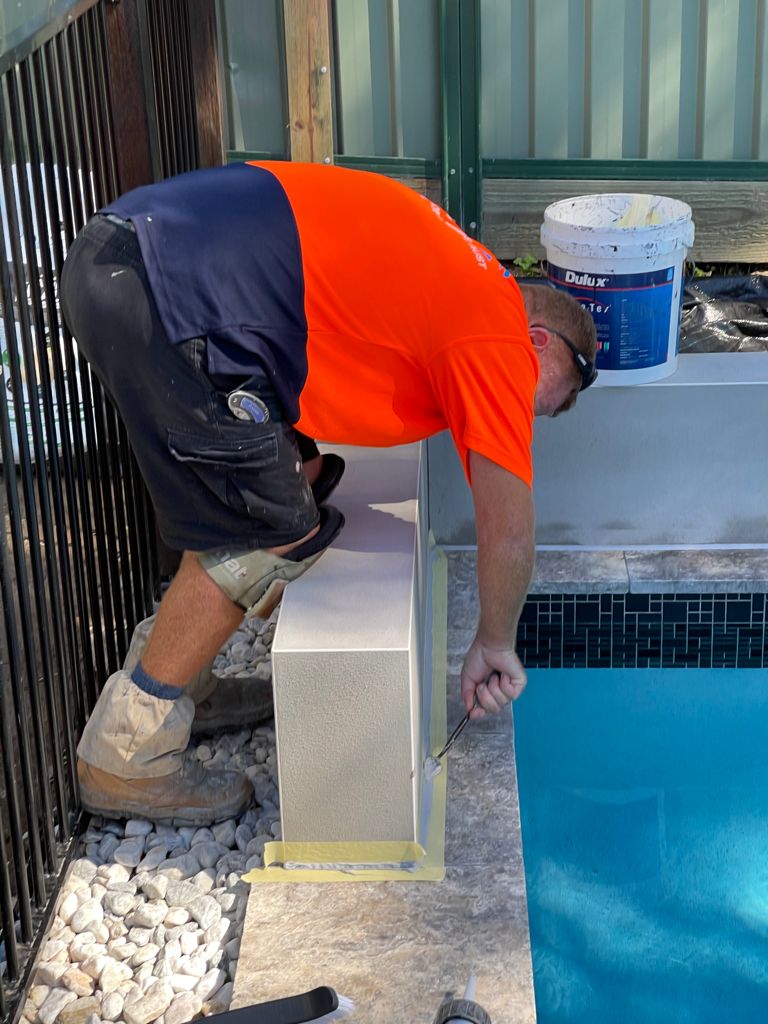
[[432, 765]]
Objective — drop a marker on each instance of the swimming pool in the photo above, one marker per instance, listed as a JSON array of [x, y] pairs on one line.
[[644, 808]]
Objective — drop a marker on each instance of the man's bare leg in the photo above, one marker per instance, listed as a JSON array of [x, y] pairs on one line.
[[194, 619]]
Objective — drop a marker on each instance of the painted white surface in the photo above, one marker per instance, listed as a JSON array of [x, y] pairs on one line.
[[347, 660], [676, 462]]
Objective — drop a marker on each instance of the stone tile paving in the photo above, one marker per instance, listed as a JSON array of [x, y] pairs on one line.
[[148, 922]]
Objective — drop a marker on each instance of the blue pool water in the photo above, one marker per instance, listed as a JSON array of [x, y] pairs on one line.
[[644, 805]]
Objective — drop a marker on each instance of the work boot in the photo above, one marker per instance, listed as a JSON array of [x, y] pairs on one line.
[[191, 796], [234, 703]]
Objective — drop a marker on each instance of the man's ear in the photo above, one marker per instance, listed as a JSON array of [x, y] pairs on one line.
[[539, 336]]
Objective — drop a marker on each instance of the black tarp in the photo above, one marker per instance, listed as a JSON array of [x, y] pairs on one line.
[[725, 314]]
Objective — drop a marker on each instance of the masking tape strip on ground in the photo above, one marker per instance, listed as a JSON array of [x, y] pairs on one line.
[[383, 861]]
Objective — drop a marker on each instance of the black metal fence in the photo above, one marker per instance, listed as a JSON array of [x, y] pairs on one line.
[[78, 559]]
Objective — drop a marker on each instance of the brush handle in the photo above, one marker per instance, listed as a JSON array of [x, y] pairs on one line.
[[462, 725], [291, 1010]]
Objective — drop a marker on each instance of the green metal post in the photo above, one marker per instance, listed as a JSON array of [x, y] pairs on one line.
[[460, 68]]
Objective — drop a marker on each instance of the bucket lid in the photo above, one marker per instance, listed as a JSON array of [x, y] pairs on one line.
[[618, 224]]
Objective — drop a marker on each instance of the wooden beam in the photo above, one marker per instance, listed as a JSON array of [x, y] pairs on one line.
[[206, 83], [309, 75], [731, 217], [131, 98]]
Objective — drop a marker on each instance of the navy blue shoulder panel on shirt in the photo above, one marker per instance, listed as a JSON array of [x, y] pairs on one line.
[[223, 259]]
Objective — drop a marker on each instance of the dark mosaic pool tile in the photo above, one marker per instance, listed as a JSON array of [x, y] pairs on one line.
[[644, 630]]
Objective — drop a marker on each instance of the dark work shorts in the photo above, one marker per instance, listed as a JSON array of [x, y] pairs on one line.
[[215, 481]]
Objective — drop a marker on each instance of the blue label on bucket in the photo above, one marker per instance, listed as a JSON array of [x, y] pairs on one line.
[[632, 313]]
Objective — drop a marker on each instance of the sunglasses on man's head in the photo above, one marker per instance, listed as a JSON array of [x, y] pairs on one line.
[[587, 369]]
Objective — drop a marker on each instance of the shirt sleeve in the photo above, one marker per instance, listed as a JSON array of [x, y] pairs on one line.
[[485, 388]]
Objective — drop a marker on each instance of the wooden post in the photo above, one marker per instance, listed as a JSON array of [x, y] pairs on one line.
[[131, 96], [206, 83], [309, 74]]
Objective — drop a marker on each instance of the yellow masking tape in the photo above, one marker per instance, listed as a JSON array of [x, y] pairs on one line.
[[384, 861]]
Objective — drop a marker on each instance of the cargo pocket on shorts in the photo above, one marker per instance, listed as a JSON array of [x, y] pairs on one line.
[[238, 468]]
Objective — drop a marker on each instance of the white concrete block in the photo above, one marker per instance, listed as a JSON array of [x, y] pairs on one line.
[[348, 657]]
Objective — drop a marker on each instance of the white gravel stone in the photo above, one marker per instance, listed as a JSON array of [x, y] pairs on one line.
[[151, 1005], [224, 832], [51, 948], [218, 931], [195, 965], [67, 906], [84, 869], [154, 857], [180, 893], [79, 1011], [256, 846], [184, 1008], [143, 976], [54, 1004], [116, 874], [94, 965], [78, 981], [50, 973], [183, 982], [176, 916], [189, 942], [210, 983], [107, 846], [138, 827], [112, 1006], [86, 915], [38, 994], [114, 974], [172, 949], [219, 1001], [82, 947], [204, 753], [227, 900], [149, 915], [141, 936], [119, 903], [181, 867], [163, 969], [205, 910], [205, 880], [144, 954], [130, 852], [159, 935], [208, 854], [155, 887], [121, 950]]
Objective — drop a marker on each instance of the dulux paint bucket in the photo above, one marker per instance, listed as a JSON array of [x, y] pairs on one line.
[[622, 256]]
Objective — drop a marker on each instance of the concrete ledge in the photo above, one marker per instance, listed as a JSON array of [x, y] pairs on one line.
[[676, 462], [678, 571]]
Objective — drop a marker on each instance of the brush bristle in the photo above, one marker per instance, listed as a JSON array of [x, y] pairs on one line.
[[345, 1008]]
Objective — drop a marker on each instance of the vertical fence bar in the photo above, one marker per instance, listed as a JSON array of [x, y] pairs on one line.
[[35, 355], [80, 119]]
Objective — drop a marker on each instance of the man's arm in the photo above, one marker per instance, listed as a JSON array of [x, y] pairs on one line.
[[504, 517]]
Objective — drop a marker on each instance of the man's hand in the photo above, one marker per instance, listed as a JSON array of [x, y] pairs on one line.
[[495, 676]]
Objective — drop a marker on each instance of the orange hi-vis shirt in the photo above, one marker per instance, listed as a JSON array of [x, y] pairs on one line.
[[412, 326], [377, 320]]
